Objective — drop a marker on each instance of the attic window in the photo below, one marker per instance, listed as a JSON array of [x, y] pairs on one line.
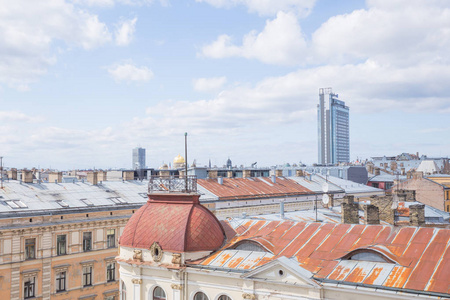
[[250, 246], [62, 203], [367, 255], [15, 204], [118, 200], [87, 202]]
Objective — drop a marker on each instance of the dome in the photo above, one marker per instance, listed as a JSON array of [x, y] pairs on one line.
[[178, 160], [164, 167], [177, 222]]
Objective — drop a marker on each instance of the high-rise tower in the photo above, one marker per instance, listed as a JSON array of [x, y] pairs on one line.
[[333, 128], [138, 158]]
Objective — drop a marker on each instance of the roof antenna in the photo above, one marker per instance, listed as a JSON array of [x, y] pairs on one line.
[[1, 171], [185, 161]]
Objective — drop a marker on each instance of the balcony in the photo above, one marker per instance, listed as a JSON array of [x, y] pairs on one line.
[[172, 184]]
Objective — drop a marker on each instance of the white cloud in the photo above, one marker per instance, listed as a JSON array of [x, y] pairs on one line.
[[209, 84], [16, 116], [27, 36], [129, 72], [281, 42], [125, 31], [267, 7]]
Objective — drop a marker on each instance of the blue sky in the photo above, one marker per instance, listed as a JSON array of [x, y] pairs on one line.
[[83, 82]]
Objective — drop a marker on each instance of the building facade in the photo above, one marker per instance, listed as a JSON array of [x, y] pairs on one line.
[[138, 158], [333, 128]]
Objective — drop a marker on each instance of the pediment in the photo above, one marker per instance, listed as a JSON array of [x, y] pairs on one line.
[[283, 270]]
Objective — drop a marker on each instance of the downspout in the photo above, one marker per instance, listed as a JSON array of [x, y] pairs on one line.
[[185, 286]]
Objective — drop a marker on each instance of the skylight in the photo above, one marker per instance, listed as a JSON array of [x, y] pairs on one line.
[[62, 203], [15, 204], [118, 200], [87, 202]]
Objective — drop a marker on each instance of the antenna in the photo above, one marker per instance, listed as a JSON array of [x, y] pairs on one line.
[[185, 160], [1, 171]]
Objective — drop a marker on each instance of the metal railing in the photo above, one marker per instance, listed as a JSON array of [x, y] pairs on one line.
[[183, 184]]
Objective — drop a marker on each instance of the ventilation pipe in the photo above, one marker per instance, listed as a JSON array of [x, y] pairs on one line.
[[220, 180], [274, 179], [282, 209]]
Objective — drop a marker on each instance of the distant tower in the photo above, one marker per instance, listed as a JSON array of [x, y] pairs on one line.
[[333, 128], [229, 164], [138, 158]]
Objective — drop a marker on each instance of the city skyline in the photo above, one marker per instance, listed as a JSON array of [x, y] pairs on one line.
[[83, 82]]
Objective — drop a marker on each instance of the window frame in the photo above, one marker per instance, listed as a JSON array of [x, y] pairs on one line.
[[110, 272], [28, 246], [200, 293], [60, 243], [61, 280], [87, 241], [29, 287], [110, 238], [154, 297], [87, 276]]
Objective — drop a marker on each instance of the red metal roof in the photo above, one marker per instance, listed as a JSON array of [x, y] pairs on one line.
[[420, 256], [260, 187], [177, 222]]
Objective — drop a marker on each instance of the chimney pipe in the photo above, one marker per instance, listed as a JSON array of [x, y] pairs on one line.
[[220, 180], [274, 179], [282, 208], [417, 215]]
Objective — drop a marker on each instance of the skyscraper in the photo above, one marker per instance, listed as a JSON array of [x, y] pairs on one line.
[[138, 158], [333, 128]]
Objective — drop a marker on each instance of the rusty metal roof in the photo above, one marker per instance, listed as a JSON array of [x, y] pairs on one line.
[[415, 258], [255, 187]]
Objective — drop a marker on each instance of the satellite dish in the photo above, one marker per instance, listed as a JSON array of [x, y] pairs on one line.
[[325, 187], [325, 199]]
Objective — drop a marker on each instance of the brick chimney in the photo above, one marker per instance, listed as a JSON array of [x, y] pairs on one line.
[[417, 215], [92, 177], [299, 173], [102, 176], [246, 173], [278, 173], [12, 174], [128, 175], [230, 174], [212, 174], [377, 171], [55, 177], [27, 176], [349, 211], [371, 214]]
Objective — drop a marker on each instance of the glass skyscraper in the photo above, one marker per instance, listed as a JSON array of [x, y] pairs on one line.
[[333, 128], [138, 158]]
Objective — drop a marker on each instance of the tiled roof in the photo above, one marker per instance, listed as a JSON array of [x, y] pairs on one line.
[[177, 222], [419, 257], [255, 187]]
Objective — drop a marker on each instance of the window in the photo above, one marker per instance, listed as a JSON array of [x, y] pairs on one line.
[[87, 241], [87, 275], [110, 298], [111, 238], [159, 294], [28, 287], [60, 281], [61, 244], [224, 297], [30, 248], [200, 296], [111, 271]]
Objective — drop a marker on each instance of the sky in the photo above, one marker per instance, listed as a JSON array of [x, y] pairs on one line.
[[83, 82]]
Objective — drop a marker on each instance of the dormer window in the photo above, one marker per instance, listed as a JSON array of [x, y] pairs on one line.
[[367, 255]]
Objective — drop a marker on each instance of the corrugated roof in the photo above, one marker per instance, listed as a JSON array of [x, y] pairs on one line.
[[255, 187], [420, 256]]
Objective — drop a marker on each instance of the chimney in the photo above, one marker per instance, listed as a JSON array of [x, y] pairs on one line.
[[377, 171], [349, 211], [212, 174], [55, 177], [246, 174], [282, 208], [92, 177], [409, 175], [102, 176], [274, 179], [278, 173], [403, 171], [371, 214], [230, 174], [220, 180], [27, 176], [127, 175], [299, 173], [12, 174], [417, 175], [417, 215]]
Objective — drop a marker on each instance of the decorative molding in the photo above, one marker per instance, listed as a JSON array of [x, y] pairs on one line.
[[136, 281], [248, 296], [156, 252], [137, 254], [176, 258], [176, 286]]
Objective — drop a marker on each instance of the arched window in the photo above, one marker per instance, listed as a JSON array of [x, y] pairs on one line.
[[124, 291], [223, 297], [200, 296], [159, 294]]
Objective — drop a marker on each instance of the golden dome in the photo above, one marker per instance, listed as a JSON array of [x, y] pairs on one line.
[[178, 160]]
